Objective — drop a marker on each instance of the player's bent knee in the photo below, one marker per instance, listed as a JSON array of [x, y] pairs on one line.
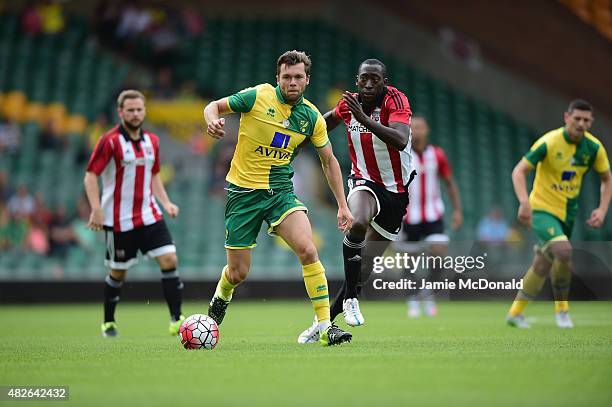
[[541, 266], [359, 228], [562, 251], [308, 254], [168, 261], [564, 256], [237, 273]]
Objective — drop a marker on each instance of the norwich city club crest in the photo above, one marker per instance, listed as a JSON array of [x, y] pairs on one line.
[[303, 126]]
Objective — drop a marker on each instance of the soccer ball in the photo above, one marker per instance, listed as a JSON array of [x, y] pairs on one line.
[[199, 331]]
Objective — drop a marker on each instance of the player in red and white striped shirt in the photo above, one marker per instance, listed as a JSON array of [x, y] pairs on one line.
[[377, 119], [127, 160], [424, 216]]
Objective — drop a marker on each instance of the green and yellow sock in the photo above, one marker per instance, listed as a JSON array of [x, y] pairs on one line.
[[316, 286], [561, 279], [532, 284], [225, 289]]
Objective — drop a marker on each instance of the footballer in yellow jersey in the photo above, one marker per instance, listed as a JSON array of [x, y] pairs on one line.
[[270, 135], [560, 166], [274, 123], [560, 157]]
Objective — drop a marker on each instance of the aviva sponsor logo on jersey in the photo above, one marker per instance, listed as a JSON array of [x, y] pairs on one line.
[[279, 141], [566, 177]]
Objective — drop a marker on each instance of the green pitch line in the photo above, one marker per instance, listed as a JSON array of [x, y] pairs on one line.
[[465, 356]]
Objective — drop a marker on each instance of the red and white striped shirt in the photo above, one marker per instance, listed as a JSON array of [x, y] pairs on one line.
[[372, 159], [425, 198], [127, 167]]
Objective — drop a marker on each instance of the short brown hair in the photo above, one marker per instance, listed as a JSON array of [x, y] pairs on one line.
[[128, 94], [293, 58], [579, 104]]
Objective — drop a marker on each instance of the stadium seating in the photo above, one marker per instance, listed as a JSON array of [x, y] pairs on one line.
[[68, 74], [66, 69]]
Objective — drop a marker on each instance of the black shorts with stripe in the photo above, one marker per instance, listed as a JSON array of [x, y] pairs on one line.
[[122, 247], [420, 231], [391, 206]]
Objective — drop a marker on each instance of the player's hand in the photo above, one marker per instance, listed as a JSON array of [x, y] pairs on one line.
[[524, 214], [355, 107], [171, 209], [597, 218], [345, 219], [457, 220], [96, 219], [215, 128]]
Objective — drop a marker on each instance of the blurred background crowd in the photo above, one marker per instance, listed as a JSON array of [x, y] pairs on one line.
[[62, 64]]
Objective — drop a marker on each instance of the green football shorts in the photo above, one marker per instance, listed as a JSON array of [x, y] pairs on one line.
[[246, 209], [548, 228]]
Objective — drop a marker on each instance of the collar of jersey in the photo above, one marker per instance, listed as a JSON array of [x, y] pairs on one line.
[[281, 99], [568, 139], [126, 135]]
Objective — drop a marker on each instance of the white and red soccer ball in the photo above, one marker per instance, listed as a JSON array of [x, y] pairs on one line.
[[199, 331]]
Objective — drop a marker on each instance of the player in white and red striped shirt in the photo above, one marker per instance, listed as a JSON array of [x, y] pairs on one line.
[[127, 160], [377, 119], [424, 215]]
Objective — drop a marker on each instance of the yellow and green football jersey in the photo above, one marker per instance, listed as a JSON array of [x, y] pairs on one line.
[[270, 135], [561, 164]]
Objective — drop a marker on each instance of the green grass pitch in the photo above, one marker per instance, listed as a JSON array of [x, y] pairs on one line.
[[465, 356]]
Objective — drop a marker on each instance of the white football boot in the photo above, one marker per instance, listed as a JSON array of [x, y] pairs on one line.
[[351, 312], [563, 320], [518, 321], [310, 334]]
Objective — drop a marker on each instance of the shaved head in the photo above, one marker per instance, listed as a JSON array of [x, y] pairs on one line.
[[374, 61]]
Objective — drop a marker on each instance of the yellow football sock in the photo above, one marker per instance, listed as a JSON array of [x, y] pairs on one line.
[[225, 289], [532, 284], [316, 286], [561, 279], [561, 306]]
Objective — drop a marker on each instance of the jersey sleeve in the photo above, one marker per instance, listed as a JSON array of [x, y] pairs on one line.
[[536, 153], [102, 154], [319, 136], [601, 164], [156, 163], [243, 101], [444, 168], [399, 108], [341, 110]]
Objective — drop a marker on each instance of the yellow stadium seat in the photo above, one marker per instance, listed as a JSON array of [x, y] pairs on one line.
[[76, 124], [35, 112], [14, 105]]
